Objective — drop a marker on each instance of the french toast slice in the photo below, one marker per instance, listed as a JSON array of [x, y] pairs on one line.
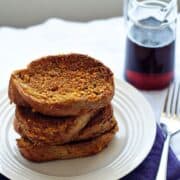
[[41, 152], [62, 85], [47, 129], [53, 130]]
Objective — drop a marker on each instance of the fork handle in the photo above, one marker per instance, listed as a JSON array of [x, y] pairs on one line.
[[162, 170]]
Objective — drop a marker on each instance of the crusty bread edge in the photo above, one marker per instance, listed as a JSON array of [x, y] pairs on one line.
[[23, 126], [69, 151], [20, 97]]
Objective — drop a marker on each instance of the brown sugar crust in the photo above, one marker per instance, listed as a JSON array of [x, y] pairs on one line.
[[62, 85], [41, 153], [53, 130]]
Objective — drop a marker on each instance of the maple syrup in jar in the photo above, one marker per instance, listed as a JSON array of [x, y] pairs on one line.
[[150, 44]]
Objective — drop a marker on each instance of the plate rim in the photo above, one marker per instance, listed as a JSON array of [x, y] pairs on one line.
[[150, 144], [148, 150]]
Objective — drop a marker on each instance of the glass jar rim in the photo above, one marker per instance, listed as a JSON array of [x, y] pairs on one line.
[[141, 3], [167, 6]]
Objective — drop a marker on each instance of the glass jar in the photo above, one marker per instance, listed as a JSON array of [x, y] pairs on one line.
[[150, 45]]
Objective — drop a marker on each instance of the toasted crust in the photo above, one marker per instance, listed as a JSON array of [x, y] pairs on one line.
[[47, 129], [41, 153], [62, 85], [52, 130]]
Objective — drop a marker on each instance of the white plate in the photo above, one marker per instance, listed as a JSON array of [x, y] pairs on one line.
[[127, 150]]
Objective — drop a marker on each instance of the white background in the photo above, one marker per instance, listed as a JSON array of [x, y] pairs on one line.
[[21, 13]]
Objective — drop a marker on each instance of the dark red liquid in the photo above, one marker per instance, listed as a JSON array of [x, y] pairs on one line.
[[150, 63]]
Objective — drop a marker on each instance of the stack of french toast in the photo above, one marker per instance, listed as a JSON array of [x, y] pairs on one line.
[[63, 107]]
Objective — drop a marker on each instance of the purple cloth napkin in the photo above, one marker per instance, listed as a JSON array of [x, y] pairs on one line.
[[3, 177], [148, 169]]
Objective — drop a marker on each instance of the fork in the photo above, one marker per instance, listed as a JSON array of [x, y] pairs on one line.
[[170, 119]]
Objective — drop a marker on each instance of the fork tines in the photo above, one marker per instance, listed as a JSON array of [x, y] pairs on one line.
[[172, 102]]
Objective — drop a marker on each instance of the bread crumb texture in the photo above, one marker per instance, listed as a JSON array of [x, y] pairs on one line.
[[66, 77]]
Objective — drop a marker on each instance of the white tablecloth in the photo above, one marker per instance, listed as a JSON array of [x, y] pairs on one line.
[[103, 39]]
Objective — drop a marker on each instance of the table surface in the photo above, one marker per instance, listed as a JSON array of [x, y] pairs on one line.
[[102, 39]]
